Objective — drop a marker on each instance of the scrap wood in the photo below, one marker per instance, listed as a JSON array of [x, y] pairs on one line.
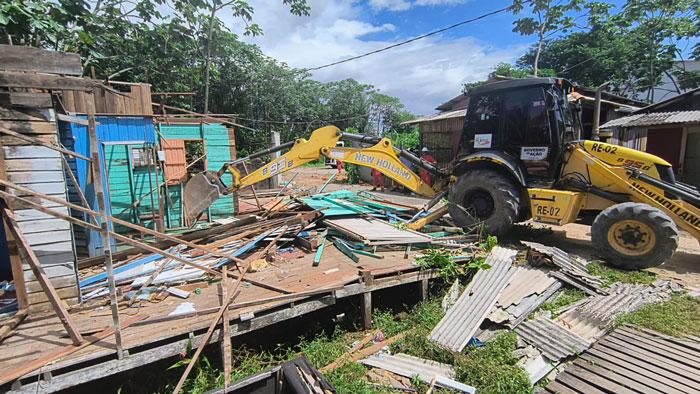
[[33, 261], [376, 347], [319, 251], [9, 325], [148, 282], [224, 305], [114, 220], [346, 251], [64, 351], [332, 366]]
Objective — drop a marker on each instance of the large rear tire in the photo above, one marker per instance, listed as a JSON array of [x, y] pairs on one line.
[[634, 235], [484, 196]]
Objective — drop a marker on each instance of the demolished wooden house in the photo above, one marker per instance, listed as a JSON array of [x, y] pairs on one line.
[[74, 326]]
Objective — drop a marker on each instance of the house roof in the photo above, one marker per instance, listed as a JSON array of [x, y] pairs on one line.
[[439, 116], [654, 119], [672, 100]]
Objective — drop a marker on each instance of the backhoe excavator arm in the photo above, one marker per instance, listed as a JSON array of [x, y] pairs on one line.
[[205, 188]]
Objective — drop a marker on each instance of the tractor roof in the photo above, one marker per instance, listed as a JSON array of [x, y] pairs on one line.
[[517, 83]]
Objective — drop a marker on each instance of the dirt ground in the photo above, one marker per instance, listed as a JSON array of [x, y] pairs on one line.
[[683, 267]]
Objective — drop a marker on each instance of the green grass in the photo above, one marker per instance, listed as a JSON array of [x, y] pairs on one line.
[[611, 275], [561, 299], [492, 367], [677, 317]]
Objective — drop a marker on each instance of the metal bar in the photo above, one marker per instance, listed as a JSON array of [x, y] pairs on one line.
[[325, 184]]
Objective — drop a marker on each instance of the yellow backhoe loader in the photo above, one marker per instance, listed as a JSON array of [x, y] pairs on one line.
[[520, 158]]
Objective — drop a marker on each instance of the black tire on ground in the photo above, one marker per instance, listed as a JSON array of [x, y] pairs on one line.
[[484, 196], [634, 235]]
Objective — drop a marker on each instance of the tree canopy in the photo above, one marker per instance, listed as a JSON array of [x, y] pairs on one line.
[[139, 43]]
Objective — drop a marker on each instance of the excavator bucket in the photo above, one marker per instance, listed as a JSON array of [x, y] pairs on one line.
[[200, 192]]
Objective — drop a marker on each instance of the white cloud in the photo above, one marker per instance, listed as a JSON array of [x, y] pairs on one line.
[[439, 2], [391, 5], [423, 74]]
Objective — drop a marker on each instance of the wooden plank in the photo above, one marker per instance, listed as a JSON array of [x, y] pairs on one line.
[[577, 385], [52, 271], [30, 152], [652, 355], [650, 370], [60, 282], [43, 138], [23, 58], [51, 235], [632, 373], [9, 325], [56, 189], [599, 381], [45, 81], [22, 99], [678, 349], [66, 292], [72, 119], [63, 352], [24, 114], [225, 331], [33, 165], [25, 177], [33, 261], [68, 100], [29, 127], [616, 374], [556, 387], [31, 214], [39, 226], [332, 366]]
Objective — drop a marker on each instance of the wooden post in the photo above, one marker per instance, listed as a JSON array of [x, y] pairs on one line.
[[423, 289], [104, 225], [41, 276], [367, 310], [225, 333]]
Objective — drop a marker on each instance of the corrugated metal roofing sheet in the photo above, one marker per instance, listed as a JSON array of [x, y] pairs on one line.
[[462, 320], [439, 116], [633, 361], [525, 281], [555, 341], [654, 118], [595, 317], [405, 365]]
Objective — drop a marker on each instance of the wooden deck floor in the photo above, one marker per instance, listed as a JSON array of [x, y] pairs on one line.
[[148, 342]]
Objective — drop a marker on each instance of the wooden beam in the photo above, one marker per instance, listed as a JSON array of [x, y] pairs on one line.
[[29, 127], [230, 296], [10, 324], [23, 58], [45, 81], [22, 99], [133, 242], [96, 167], [225, 333], [36, 141], [211, 118], [41, 276], [73, 119], [64, 351], [332, 366]]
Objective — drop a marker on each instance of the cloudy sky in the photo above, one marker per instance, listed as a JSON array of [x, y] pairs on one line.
[[423, 74]]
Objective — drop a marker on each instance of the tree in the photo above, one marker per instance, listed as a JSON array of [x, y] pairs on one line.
[[549, 18], [633, 48], [243, 10]]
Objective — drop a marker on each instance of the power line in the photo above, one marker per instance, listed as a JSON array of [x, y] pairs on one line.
[[410, 40], [303, 122]]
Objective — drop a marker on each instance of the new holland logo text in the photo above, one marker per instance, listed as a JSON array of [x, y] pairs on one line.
[[682, 213], [386, 164]]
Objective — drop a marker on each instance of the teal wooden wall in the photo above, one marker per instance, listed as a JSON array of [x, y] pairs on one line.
[[127, 184], [218, 148]]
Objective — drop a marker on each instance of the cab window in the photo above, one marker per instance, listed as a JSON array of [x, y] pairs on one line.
[[525, 118]]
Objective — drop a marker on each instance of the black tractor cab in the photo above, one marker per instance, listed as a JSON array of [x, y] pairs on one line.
[[524, 122]]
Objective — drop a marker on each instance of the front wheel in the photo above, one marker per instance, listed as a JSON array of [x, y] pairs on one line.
[[634, 235], [484, 196]]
